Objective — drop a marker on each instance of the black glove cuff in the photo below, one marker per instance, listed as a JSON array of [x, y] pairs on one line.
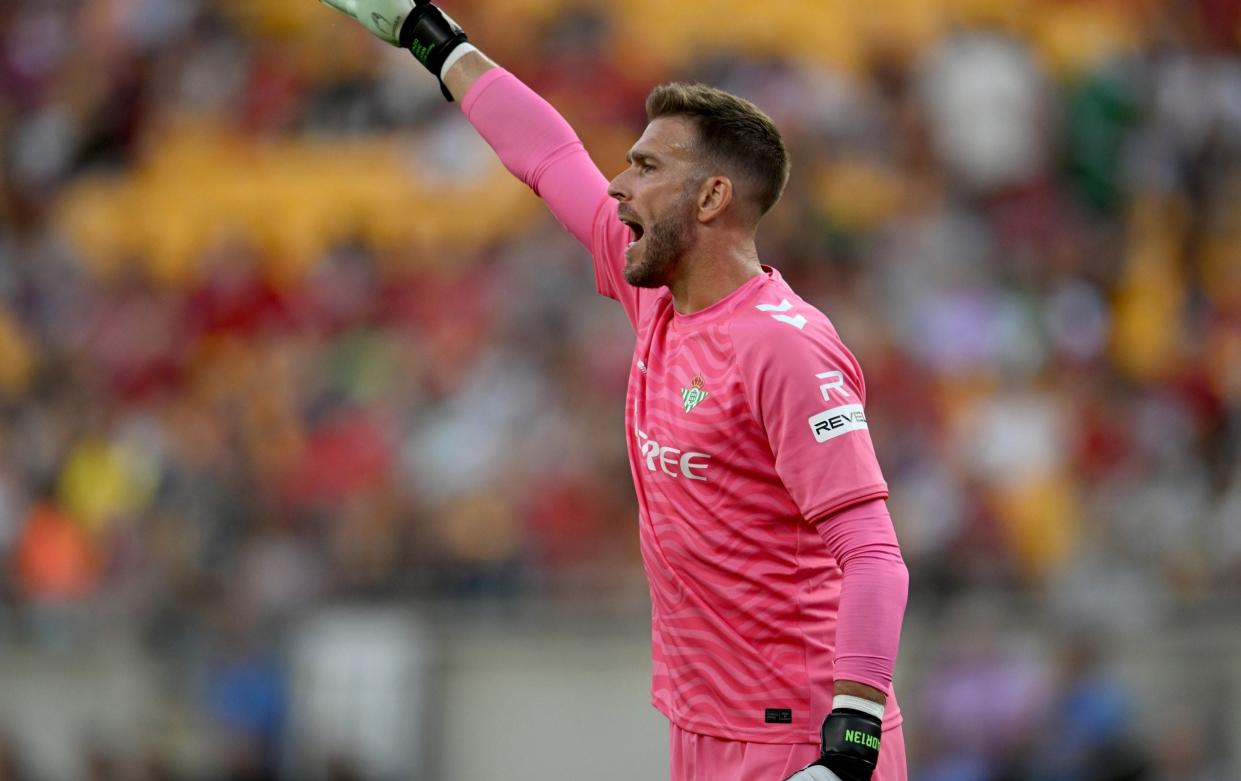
[[851, 743], [431, 36]]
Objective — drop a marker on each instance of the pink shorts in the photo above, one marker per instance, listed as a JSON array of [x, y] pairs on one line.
[[704, 758]]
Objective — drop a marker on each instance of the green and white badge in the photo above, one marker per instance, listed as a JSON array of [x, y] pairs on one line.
[[693, 395]]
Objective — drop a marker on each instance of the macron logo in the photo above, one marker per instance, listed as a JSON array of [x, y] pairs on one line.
[[797, 321], [831, 423]]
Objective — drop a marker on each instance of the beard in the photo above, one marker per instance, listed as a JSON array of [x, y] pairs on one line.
[[662, 245]]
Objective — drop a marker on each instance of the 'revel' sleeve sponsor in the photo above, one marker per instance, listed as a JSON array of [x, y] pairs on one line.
[[806, 390], [538, 146]]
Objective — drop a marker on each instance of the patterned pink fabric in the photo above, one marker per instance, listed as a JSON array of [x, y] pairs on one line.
[[744, 592], [744, 420]]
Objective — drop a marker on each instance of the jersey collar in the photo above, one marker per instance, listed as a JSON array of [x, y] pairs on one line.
[[729, 303]]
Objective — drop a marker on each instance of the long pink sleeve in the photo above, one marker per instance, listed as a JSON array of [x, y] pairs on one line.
[[539, 147], [873, 594]]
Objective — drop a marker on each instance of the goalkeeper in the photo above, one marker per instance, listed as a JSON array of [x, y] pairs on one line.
[[777, 585]]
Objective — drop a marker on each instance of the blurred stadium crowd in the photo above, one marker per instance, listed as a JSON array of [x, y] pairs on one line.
[[275, 328]]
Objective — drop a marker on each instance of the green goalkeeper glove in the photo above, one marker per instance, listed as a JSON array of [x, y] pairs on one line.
[[429, 34]]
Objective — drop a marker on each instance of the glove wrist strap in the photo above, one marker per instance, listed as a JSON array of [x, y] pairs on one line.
[[851, 743], [431, 36], [859, 704], [457, 53]]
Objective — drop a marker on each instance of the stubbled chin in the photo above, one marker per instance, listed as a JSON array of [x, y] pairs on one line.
[[633, 264], [632, 252]]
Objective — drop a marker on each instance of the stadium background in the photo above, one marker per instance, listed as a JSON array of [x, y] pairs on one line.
[[311, 438]]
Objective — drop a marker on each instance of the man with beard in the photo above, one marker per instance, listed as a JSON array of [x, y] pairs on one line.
[[777, 585]]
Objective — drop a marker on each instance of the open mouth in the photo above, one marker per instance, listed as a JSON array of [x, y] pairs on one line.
[[635, 227]]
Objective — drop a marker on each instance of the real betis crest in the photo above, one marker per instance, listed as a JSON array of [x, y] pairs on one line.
[[693, 395]]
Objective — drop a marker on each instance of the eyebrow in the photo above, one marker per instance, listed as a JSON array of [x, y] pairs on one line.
[[640, 157]]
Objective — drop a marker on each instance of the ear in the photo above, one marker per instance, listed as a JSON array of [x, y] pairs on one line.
[[714, 197]]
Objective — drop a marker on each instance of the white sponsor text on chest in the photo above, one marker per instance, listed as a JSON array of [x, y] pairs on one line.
[[672, 461]]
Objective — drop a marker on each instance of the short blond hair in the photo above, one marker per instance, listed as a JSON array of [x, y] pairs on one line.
[[733, 133]]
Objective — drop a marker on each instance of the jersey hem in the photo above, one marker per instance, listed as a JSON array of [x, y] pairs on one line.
[[754, 736], [767, 736], [727, 733]]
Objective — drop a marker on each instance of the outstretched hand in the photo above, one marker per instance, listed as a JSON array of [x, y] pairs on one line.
[[419, 26], [383, 18]]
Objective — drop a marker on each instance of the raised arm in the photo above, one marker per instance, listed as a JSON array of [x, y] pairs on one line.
[[536, 144], [533, 141]]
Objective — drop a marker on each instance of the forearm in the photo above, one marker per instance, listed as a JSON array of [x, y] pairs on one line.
[[872, 599], [533, 141]]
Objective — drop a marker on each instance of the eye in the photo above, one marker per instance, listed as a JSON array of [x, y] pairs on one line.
[[646, 168]]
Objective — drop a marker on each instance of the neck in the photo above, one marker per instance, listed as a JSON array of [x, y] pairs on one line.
[[712, 270]]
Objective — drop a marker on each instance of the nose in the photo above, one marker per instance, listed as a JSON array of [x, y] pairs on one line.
[[617, 188]]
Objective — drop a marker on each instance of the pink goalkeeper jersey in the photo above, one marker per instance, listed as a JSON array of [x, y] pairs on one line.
[[745, 419]]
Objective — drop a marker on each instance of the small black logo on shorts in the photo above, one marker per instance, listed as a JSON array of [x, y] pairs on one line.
[[779, 716]]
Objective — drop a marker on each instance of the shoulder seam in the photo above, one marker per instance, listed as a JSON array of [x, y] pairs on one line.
[[745, 389]]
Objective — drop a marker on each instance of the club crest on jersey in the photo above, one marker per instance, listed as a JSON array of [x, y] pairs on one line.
[[693, 395]]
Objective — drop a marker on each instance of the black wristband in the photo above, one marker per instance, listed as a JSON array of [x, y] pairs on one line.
[[851, 743], [431, 36]]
